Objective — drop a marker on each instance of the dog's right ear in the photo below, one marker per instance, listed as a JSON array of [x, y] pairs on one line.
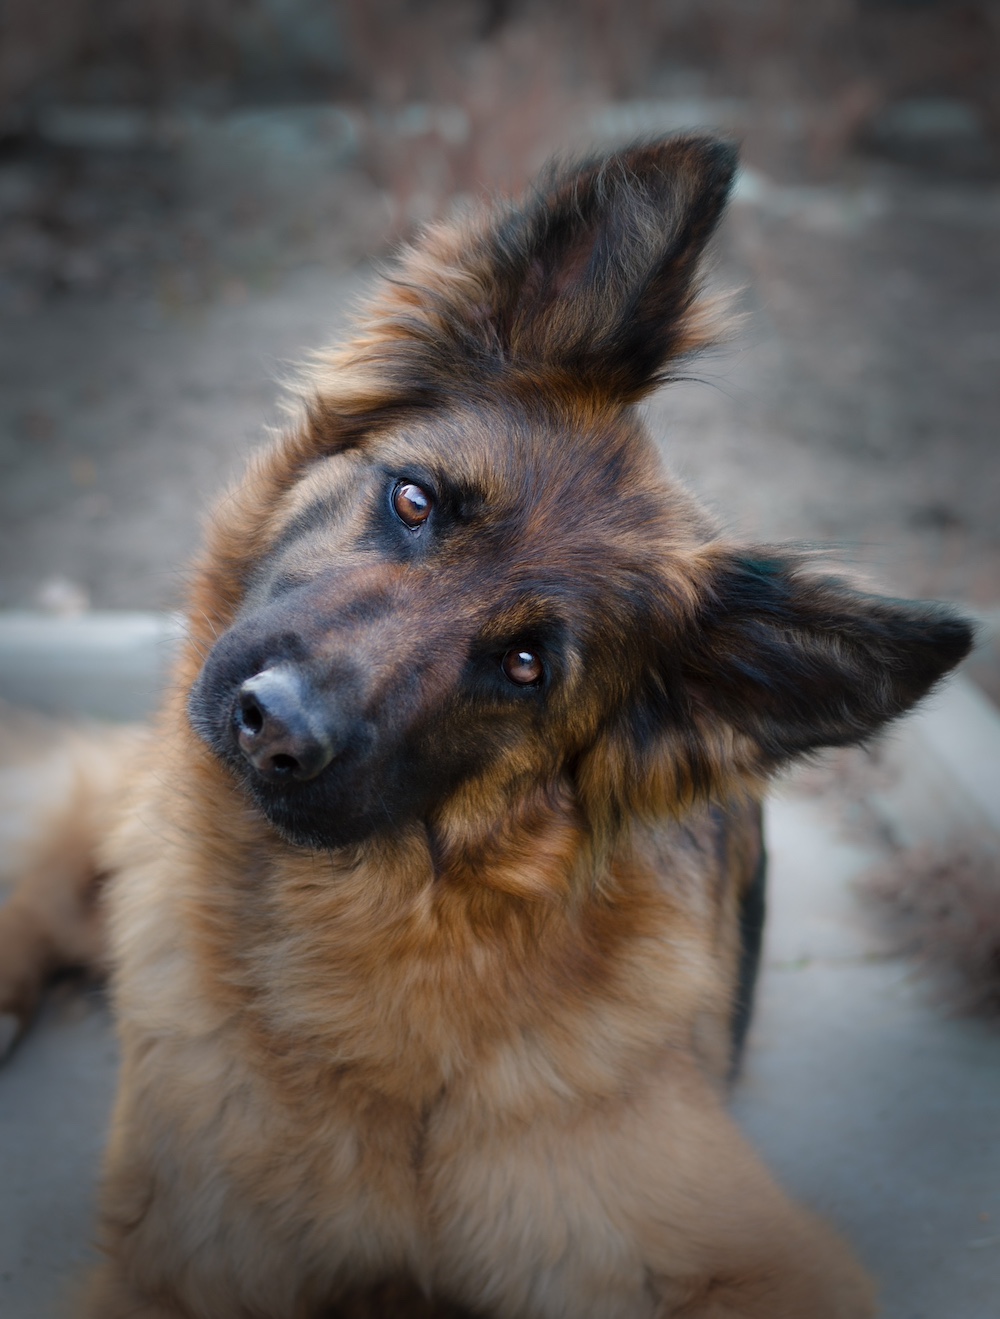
[[774, 661]]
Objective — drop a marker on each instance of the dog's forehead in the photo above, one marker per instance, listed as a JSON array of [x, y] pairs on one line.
[[546, 509], [535, 465]]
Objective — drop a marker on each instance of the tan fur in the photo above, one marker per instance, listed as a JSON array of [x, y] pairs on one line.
[[553, 1095]]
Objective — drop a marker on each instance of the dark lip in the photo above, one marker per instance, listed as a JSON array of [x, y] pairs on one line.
[[293, 827], [318, 827]]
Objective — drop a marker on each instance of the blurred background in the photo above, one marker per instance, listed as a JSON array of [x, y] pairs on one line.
[[192, 192]]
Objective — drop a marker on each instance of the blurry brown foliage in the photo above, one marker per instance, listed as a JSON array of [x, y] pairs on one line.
[[941, 905]]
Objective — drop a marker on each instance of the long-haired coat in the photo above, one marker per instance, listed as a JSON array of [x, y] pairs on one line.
[[435, 896]]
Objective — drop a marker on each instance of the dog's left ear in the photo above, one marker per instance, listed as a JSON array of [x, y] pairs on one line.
[[591, 283], [597, 275], [792, 660]]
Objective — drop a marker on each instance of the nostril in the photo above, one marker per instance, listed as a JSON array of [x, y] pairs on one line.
[[285, 764], [249, 715]]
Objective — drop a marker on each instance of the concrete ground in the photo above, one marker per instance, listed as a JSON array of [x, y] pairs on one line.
[[872, 1103]]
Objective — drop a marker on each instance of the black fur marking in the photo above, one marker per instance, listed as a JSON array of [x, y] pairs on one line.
[[753, 912], [308, 520]]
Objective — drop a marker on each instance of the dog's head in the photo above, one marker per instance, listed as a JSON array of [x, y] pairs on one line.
[[464, 591]]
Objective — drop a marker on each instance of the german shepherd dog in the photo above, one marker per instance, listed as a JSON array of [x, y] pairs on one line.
[[435, 896]]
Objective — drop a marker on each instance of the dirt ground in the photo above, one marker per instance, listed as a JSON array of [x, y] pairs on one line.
[[154, 300]]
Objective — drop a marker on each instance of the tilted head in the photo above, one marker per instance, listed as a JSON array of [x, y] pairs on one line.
[[463, 589]]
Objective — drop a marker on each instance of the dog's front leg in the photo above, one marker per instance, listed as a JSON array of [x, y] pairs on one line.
[[807, 1274], [722, 1241], [651, 1206]]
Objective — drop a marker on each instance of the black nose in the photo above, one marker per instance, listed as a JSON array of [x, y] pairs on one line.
[[282, 727]]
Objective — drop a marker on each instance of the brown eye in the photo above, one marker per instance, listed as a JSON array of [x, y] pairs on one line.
[[412, 504], [523, 667]]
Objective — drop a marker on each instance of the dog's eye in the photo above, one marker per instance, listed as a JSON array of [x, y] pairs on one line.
[[522, 666], [412, 504]]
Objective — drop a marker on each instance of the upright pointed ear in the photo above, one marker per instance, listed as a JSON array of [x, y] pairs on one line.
[[792, 660], [591, 282], [598, 274]]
